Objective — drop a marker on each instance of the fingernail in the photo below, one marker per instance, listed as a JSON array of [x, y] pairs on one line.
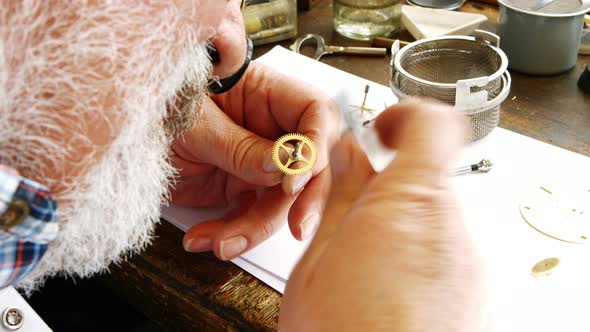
[[299, 182], [197, 245], [309, 226], [268, 164], [232, 247]]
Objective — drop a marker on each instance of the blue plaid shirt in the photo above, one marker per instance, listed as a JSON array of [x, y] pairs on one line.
[[25, 235]]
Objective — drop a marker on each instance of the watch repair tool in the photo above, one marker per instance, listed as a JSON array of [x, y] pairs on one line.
[[363, 108], [483, 166], [291, 149], [322, 49]]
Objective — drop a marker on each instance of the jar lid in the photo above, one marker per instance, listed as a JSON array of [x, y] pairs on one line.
[[555, 8], [438, 4]]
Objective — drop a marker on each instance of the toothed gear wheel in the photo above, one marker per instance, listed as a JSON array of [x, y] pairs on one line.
[[302, 152]]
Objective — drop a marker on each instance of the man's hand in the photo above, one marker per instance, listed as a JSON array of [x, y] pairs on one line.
[[391, 253], [226, 161]]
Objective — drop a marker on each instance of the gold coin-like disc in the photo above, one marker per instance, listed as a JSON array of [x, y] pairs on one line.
[[545, 267]]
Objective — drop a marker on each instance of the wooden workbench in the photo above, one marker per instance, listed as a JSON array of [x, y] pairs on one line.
[[196, 292]]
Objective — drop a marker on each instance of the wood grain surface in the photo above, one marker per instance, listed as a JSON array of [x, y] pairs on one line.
[[196, 292]]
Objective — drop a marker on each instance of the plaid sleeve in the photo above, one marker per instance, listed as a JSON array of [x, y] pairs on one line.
[[27, 225]]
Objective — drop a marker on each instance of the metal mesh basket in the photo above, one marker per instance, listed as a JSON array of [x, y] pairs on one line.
[[467, 72]]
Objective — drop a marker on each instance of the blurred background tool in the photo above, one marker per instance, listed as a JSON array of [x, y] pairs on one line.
[[321, 49], [269, 21], [438, 4], [544, 41], [363, 19]]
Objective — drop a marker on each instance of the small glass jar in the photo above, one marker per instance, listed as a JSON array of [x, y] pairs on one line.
[[269, 21], [364, 19]]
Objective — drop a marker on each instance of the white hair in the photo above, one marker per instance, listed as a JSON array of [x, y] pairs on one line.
[[66, 66]]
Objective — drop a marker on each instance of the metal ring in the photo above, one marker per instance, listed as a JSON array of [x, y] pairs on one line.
[[223, 85], [12, 318], [402, 71], [320, 45], [506, 81]]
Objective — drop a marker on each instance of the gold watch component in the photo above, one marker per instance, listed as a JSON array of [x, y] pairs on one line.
[[291, 149], [545, 267]]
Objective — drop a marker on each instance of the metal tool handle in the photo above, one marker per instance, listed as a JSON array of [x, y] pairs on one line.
[[483, 166], [386, 42], [376, 51], [461, 170]]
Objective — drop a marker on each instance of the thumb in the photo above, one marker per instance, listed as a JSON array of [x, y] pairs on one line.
[[217, 140], [427, 137], [350, 170]]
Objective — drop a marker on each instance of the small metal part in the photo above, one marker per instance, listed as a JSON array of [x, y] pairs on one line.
[[546, 190], [12, 318], [484, 165], [295, 154], [545, 267], [363, 108], [368, 122]]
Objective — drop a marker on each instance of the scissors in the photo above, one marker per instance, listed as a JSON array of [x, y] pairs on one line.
[[322, 49]]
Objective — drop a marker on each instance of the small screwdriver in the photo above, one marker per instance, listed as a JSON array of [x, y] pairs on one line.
[[483, 166]]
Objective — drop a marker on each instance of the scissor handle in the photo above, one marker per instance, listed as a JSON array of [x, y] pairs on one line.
[[377, 51], [320, 45], [322, 49]]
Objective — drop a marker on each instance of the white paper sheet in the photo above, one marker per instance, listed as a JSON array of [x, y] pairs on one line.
[[489, 202], [258, 261]]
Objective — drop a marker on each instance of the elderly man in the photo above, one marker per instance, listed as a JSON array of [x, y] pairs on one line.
[[104, 110]]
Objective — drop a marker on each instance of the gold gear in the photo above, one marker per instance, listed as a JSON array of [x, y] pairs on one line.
[[295, 154]]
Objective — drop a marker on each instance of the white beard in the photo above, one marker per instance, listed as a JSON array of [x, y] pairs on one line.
[[110, 211]]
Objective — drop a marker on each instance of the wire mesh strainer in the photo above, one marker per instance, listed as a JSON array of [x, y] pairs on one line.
[[468, 72]]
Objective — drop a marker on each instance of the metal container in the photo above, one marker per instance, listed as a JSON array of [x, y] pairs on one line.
[[470, 73], [543, 41]]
